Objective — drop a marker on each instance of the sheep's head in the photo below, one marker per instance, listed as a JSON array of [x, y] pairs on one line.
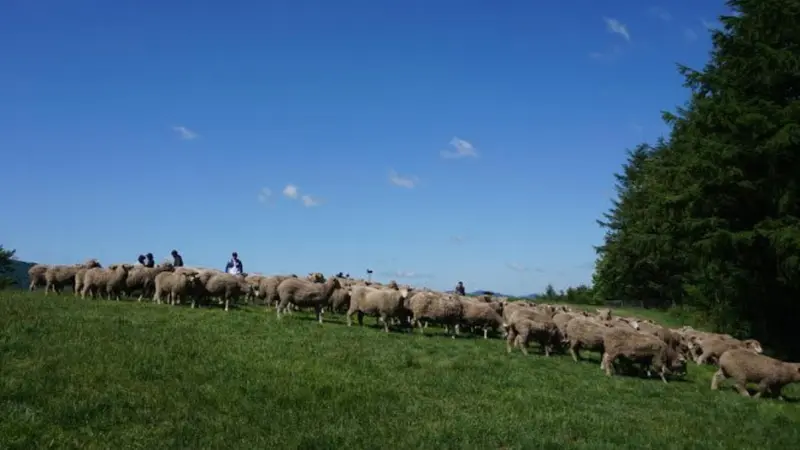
[[113, 267], [677, 364], [127, 267], [754, 345], [334, 283], [796, 371], [316, 277], [604, 314], [404, 293], [393, 285], [634, 324], [91, 263]]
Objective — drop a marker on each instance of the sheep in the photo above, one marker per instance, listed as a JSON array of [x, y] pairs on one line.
[[523, 330], [254, 281], [143, 279], [437, 308], [479, 314], [111, 281], [340, 300], [640, 348], [268, 289], [584, 333], [746, 366], [226, 286], [676, 341], [304, 293], [714, 347], [176, 285], [383, 303], [36, 275], [56, 277]]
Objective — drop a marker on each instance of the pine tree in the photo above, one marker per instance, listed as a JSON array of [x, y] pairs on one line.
[[6, 257]]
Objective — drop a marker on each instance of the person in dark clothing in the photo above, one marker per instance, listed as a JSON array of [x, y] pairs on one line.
[[140, 259], [234, 266], [149, 262], [177, 259], [460, 289]]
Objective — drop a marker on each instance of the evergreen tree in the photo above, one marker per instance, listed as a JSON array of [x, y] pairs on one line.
[[6, 256]]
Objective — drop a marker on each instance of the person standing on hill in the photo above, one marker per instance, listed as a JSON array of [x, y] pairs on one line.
[[149, 262], [460, 289], [234, 266], [140, 259], [177, 259]]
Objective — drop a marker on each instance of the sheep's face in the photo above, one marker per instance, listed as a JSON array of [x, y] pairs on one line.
[[796, 371], [754, 345], [678, 365], [92, 263], [403, 293], [635, 325], [113, 267], [127, 267]]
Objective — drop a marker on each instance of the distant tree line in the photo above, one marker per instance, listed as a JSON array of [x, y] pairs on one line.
[[707, 219]]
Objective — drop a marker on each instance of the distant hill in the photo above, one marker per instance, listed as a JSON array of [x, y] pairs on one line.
[[19, 273]]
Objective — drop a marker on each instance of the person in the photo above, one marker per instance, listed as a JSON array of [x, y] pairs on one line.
[[140, 259], [234, 266], [177, 259], [149, 261], [460, 289]]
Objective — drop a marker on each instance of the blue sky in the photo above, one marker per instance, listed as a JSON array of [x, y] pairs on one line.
[[135, 126]]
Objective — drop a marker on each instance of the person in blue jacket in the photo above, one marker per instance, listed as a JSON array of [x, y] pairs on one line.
[[234, 266]]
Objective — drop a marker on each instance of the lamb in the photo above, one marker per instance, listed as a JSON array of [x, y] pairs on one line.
[[714, 347], [640, 348], [56, 277], [480, 314], [524, 330], [110, 281], [584, 333], [746, 366], [36, 275], [437, 308], [304, 293], [384, 303], [176, 285], [143, 279], [226, 286]]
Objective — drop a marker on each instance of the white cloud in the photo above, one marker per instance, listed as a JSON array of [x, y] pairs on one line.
[[617, 27], [405, 274], [265, 195], [689, 35], [184, 132], [290, 191], [458, 239], [406, 182], [516, 267], [462, 148], [309, 201], [660, 13], [610, 55]]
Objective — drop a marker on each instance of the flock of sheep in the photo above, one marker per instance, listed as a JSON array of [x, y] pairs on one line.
[[625, 343]]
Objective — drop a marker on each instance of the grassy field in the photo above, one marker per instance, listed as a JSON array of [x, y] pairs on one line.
[[100, 375]]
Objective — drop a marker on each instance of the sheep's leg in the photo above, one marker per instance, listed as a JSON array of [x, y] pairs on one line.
[[719, 376], [385, 323], [349, 317], [607, 363], [573, 350], [486, 332], [319, 314], [360, 318], [663, 374], [742, 389], [510, 340], [421, 326], [227, 302], [763, 388]]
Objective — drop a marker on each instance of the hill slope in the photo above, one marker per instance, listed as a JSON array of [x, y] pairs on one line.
[[136, 375]]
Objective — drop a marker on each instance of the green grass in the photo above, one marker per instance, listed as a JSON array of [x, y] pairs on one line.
[[100, 375]]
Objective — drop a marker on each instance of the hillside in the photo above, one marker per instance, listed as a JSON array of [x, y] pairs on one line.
[[99, 374]]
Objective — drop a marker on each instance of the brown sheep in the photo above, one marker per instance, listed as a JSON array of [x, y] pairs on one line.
[[746, 366], [641, 348]]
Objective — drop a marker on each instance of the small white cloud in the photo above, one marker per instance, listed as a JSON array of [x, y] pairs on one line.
[[405, 182], [290, 191], [709, 25], [660, 13], [265, 195], [405, 274], [185, 133], [610, 55], [516, 267], [458, 239], [617, 27], [689, 35], [463, 149], [309, 201]]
